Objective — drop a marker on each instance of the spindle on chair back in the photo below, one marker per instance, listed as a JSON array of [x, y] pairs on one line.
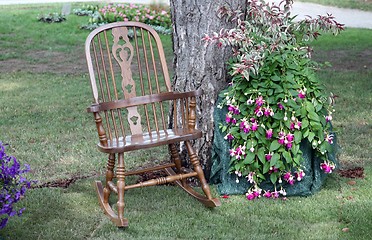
[[131, 99]]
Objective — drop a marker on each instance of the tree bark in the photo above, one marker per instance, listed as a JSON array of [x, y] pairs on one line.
[[197, 65]]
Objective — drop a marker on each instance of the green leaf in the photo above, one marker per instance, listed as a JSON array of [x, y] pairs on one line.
[[316, 126], [244, 135], [311, 136], [273, 178], [287, 156], [224, 128], [304, 123], [306, 133], [266, 167], [274, 146], [275, 78], [298, 159], [249, 159], [261, 155], [297, 136], [295, 148], [274, 159], [309, 107], [313, 116]]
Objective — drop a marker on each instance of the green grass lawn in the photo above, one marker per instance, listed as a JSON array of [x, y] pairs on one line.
[[44, 91]]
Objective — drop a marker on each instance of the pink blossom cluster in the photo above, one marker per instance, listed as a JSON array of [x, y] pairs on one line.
[[274, 194], [238, 152], [134, 12], [247, 126], [301, 93], [286, 139], [254, 193], [327, 167], [295, 124], [290, 178]]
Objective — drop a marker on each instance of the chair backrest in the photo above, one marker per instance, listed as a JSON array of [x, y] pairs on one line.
[[126, 61]]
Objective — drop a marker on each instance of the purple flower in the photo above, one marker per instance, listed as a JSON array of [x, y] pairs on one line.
[[254, 126], [250, 196], [228, 118], [275, 194], [269, 133], [268, 156], [12, 185], [273, 169], [250, 101], [288, 177], [327, 167], [299, 175], [260, 101], [258, 111], [244, 125], [301, 94], [290, 137], [267, 194], [280, 106], [229, 137]]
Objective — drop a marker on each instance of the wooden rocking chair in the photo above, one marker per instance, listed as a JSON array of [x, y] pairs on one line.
[[131, 100]]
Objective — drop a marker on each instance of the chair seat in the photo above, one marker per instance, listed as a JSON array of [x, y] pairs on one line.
[[147, 140]]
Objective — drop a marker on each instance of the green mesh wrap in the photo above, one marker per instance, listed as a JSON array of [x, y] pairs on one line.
[[226, 182]]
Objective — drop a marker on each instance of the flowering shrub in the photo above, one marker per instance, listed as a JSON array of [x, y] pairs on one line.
[[274, 100], [13, 186], [51, 18], [131, 12]]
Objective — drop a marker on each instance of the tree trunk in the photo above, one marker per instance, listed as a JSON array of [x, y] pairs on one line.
[[199, 66]]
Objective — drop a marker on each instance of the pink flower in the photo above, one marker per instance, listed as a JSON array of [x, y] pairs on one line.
[[328, 118], [275, 194], [250, 177], [250, 196], [329, 138], [280, 106], [299, 175], [269, 133], [232, 152], [254, 126], [258, 111], [229, 137], [301, 94], [244, 125], [267, 194], [240, 152], [327, 167], [260, 101], [228, 118], [295, 125], [268, 156], [290, 137], [230, 108], [250, 101], [288, 178]]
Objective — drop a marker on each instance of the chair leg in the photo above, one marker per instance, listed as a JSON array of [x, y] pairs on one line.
[[104, 193], [207, 200], [109, 177], [177, 161], [120, 174]]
